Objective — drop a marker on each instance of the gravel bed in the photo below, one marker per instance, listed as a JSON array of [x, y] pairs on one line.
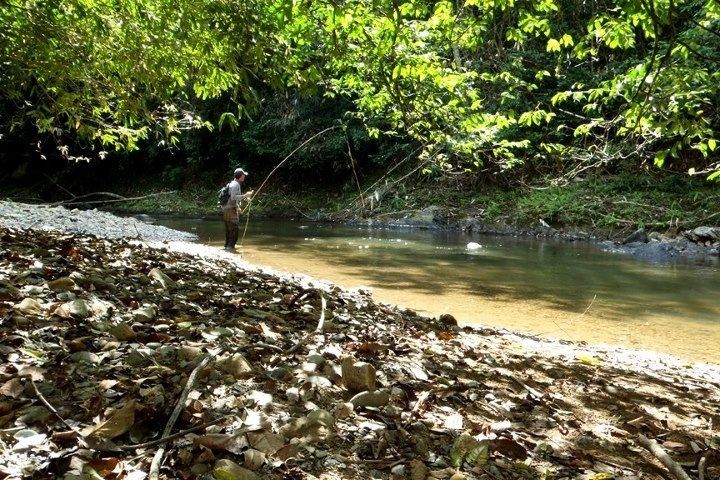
[[92, 222]]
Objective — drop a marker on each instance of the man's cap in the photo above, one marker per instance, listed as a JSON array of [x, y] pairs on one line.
[[240, 171]]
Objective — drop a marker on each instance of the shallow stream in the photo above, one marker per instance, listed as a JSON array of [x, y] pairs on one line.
[[545, 287]]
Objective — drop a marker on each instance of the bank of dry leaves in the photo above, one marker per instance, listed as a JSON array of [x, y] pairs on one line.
[[98, 339]]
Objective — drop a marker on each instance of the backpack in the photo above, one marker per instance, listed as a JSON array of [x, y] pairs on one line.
[[223, 195]]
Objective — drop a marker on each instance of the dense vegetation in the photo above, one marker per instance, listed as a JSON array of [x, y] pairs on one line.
[[491, 88]]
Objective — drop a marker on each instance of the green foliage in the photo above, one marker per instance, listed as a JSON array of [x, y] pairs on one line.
[[110, 70], [490, 85]]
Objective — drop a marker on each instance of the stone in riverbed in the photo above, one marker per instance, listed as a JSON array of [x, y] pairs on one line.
[[236, 365], [159, 277], [62, 284], [357, 376], [228, 470], [123, 332], [376, 399], [29, 306]]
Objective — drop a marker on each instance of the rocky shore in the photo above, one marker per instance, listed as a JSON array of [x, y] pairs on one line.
[[121, 359], [701, 243], [91, 222]]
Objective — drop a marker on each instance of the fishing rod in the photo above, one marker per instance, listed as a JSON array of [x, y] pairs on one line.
[[247, 209]]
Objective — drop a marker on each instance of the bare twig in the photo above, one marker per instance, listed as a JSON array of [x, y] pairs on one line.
[[160, 454], [422, 398], [257, 191], [116, 198], [158, 441], [352, 164], [653, 447], [50, 407], [58, 185]]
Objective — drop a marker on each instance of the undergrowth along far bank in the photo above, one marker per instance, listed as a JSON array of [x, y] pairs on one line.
[[614, 202], [608, 203]]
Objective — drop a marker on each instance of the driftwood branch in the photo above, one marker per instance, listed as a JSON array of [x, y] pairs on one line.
[[653, 447], [701, 467], [160, 454], [320, 325], [115, 198]]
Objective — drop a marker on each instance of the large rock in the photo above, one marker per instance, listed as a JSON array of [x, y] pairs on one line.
[[638, 235], [358, 376], [426, 216], [703, 234]]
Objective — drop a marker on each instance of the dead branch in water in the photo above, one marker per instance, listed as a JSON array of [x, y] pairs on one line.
[[115, 198]]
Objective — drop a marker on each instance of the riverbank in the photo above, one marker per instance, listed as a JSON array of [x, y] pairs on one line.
[[306, 380], [655, 217]]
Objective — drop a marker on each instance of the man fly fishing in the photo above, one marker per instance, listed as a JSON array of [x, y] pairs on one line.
[[230, 197]]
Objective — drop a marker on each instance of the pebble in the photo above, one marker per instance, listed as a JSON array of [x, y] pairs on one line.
[[398, 470]]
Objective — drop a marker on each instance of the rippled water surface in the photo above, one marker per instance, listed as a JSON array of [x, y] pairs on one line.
[[550, 288]]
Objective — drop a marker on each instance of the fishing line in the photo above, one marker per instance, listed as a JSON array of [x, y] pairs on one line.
[[247, 209]]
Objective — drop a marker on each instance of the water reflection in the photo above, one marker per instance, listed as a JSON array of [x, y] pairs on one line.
[[544, 287]]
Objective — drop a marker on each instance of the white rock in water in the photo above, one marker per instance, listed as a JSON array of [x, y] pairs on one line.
[[473, 246]]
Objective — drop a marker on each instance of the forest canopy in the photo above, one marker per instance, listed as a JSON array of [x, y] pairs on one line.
[[545, 85]]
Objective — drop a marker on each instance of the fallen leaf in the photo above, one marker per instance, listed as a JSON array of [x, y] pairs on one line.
[[106, 466], [266, 442], [12, 388], [253, 459], [118, 423], [588, 359], [509, 448], [221, 441]]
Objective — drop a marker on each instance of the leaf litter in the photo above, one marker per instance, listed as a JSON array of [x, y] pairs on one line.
[[98, 339]]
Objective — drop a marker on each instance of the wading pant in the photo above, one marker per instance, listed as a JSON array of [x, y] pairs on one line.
[[232, 227]]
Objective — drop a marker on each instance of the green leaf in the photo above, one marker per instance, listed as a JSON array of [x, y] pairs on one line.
[[553, 45], [660, 158]]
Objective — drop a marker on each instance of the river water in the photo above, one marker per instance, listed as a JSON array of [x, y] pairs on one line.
[[549, 288]]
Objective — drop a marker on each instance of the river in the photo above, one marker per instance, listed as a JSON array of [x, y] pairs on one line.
[[550, 288]]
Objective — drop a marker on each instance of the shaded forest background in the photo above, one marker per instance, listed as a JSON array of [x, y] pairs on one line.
[[476, 94]]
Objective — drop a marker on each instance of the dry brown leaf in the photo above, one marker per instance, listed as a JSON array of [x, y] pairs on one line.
[[107, 467], [6, 407], [12, 388], [446, 336], [253, 459], [287, 451], [5, 419], [118, 423], [509, 448], [266, 442], [222, 441]]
